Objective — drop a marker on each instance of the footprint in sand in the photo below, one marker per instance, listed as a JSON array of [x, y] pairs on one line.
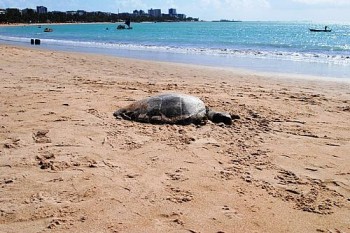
[[41, 137], [177, 175], [230, 213], [180, 196]]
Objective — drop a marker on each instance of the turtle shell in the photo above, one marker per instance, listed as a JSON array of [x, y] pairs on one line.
[[169, 108]]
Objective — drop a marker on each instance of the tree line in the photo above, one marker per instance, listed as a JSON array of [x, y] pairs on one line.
[[13, 15]]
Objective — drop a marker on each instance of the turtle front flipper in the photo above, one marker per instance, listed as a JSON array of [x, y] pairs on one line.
[[218, 117]]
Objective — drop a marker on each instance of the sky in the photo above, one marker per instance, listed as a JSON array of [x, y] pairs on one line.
[[262, 10]]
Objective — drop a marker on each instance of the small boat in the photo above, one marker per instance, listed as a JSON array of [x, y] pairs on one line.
[[48, 30], [320, 30], [127, 23], [120, 27]]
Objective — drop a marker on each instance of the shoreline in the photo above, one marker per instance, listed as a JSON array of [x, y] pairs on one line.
[[323, 64], [68, 165], [238, 70], [207, 61]]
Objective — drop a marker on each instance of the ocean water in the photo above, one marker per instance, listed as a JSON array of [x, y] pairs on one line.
[[283, 47]]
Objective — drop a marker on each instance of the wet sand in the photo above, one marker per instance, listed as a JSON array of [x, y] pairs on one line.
[[67, 165]]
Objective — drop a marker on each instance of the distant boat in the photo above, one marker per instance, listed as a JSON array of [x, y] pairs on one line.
[[120, 27], [48, 30], [320, 30], [127, 23]]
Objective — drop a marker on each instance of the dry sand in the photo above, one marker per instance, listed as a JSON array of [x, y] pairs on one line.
[[67, 165]]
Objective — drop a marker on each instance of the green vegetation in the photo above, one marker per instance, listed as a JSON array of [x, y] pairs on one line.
[[12, 15]]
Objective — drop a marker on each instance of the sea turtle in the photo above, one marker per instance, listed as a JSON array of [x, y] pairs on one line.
[[172, 108]]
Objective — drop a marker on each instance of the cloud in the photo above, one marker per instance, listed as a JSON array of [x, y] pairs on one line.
[[130, 3], [230, 9], [7, 3], [235, 3], [51, 5], [325, 2]]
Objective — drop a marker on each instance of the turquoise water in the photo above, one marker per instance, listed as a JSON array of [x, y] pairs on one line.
[[268, 46]]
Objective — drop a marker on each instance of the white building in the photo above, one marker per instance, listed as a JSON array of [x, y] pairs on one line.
[[41, 10], [172, 12], [155, 12]]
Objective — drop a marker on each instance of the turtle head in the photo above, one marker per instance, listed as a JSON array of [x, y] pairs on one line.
[[218, 117], [118, 113], [121, 113]]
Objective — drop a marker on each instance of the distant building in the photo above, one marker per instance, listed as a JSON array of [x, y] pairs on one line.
[[81, 12], [124, 14], [101, 13], [58, 12], [172, 12], [155, 12], [181, 16], [27, 10], [71, 12], [138, 13], [41, 10], [2, 11]]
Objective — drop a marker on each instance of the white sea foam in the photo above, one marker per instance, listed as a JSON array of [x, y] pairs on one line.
[[248, 53]]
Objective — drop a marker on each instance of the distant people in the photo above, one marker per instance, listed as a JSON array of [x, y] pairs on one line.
[[325, 28]]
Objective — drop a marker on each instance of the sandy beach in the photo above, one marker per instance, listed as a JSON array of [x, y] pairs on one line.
[[68, 165]]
